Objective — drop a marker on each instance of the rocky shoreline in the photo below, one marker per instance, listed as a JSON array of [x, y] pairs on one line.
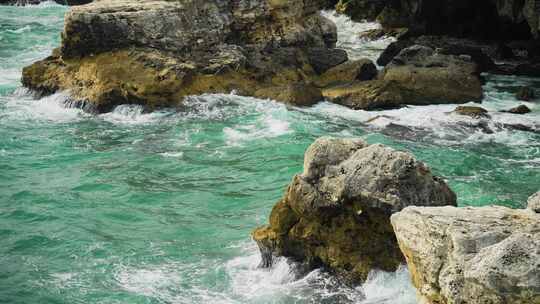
[[155, 53], [356, 207], [359, 207]]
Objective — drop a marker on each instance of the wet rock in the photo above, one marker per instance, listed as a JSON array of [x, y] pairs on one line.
[[336, 213], [375, 34], [416, 76], [521, 109], [525, 94], [157, 52], [363, 69], [471, 111], [293, 94], [471, 255], [392, 50], [360, 10], [534, 202], [323, 59]]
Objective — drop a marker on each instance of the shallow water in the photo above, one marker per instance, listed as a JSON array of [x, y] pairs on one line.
[[133, 207]]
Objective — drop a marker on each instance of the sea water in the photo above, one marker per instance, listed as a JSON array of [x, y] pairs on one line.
[[135, 207]]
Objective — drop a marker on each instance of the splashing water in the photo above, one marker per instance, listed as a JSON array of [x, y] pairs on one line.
[[135, 207]]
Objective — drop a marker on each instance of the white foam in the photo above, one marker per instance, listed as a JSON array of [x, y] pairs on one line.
[[349, 37], [133, 115], [21, 106], [172, 154]]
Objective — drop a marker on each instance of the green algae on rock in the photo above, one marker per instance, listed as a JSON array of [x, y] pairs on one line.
[[336, 214], [156, 52]]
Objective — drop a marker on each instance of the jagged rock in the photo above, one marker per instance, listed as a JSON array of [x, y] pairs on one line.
[[336, 213], [525, 94], [471, 111], [360, 10], [156, 52], [534, 202], [416, 76], [471, 255], [363, 69], [521, 109]]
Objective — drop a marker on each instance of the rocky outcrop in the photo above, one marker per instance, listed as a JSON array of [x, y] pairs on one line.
[[416, 76], [484, 19], [471, 255], [521, 109], [156, 52], [29, 2], [336, 213]]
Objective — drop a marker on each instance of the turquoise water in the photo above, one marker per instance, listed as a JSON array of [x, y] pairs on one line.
[[130, 207]]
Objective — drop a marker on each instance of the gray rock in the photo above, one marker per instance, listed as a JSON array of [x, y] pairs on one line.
[[471, 255], [533, 203], [336, 213]]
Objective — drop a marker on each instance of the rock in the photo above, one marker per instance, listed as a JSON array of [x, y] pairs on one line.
[[157, 52], [375, 34], [336, 213], [471, 255], [363, 69], [369, 95], [323, 59], [534, 202], [474, 112], [293, 94], [480, 53], [521, 109], [525, 94], [360, 10], [416, 76]]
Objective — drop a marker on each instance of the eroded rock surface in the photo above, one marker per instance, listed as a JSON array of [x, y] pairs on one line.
[[336, 213], [156, 52], [471, 255]]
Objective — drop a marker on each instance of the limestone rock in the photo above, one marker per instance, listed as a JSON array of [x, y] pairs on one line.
[[363, 69], [416, 76], [157, 52], [534, 202], [474, 112], [471, 255], [336, 213]]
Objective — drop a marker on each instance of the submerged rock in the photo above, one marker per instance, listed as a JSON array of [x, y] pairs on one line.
[[336, 213], [157, 52], [471, 255]]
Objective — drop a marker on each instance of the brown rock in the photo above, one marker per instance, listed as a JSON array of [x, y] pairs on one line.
[[474, 112], [363, 69], [294, 94], [521, 109], [525, 94]]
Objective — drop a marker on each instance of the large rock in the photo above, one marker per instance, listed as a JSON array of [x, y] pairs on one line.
[[156, 52], [336, 213], [534, 202], [471, 255], [416, 76], [33, 2]]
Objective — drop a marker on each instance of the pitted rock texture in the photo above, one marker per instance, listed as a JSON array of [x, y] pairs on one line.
[[336, 214], [156, 52], [471, 255]]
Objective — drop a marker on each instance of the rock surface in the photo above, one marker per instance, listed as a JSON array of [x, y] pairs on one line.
[[471, 255], [521, 109], [471, 111], [156, 52], [416, 76], [336, 213], [534, 202], [33, 2]]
